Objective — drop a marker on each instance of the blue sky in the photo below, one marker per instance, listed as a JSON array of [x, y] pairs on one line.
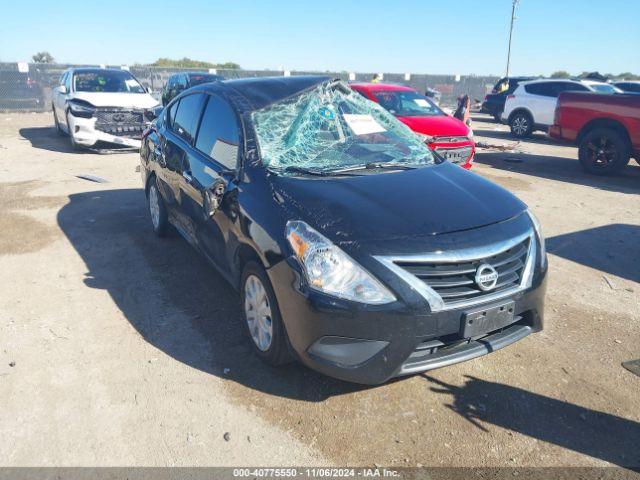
[[419, 36]]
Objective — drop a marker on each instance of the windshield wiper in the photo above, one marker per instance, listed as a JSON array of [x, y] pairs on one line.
[[378, 165], [312, 171]]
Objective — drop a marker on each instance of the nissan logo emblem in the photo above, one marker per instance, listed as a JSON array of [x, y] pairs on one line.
[[486, 277], [118, 117]]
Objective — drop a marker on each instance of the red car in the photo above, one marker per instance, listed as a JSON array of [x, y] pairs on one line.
[[446, 135], [605, 127]]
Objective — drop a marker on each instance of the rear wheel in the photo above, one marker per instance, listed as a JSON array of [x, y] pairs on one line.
[[521, 124], [604, 151], [262, 316]]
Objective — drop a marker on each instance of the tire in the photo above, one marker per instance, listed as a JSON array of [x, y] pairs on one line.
[[604, 151], [157, 210], [74, 145], [59, 130], [521, 124], [266, 332]]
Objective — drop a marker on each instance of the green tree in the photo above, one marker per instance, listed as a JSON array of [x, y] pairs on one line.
[[561, 74], [43, 57], [628, 76], [189, 63]]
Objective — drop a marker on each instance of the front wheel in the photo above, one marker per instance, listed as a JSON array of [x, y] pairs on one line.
[[604, 151], [157, 210], [521, 124], [72, 140], [262, 316], [57, 123]]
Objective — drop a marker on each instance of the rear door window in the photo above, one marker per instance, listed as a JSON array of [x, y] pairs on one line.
[[187, 115], [218, 135], [545, 89]]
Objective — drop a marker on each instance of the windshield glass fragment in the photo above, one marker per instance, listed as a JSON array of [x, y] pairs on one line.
[[330, 128]]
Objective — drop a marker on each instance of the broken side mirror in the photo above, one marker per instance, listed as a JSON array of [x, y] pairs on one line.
[[213, 197]]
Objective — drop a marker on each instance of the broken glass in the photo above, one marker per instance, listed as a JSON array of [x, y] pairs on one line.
[[330, 127]]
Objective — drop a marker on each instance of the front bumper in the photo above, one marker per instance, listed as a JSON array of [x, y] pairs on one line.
[[371, 344], [86, 134], [460, 153]]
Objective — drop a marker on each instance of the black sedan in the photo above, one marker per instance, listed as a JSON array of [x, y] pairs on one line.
[[354, 247]]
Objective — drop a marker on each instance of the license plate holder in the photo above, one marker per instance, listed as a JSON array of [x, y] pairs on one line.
[[488, 319]]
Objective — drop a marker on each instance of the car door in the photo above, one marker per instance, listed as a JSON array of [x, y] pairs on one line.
[[541, 101], [182, 121], [209, 188], [59, 98]]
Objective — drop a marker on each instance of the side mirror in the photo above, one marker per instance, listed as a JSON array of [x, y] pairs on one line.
[[62, 89], [213, 197]]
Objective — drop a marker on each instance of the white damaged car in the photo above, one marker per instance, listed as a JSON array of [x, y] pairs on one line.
[[102, 107]]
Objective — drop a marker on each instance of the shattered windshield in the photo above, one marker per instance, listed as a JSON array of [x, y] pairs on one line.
[[330, 128]]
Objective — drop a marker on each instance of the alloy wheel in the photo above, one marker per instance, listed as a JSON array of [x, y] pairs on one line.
[[154, 206], [258, 312], [602, 151], [520, 125]]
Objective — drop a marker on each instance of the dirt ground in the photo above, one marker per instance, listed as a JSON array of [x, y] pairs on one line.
[[118, 348]]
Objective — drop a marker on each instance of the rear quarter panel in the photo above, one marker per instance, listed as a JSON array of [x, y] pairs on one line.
[[577, 110]]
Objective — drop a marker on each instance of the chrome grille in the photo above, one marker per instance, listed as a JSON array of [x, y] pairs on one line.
[[450, 139], [455, 155], [121, 122], [454, 282]]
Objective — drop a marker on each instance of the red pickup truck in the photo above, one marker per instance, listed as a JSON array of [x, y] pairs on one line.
[[605, 127]]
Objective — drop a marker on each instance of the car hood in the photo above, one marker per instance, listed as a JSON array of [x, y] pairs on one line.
[[438, 125], [433, 200], [124, 100]]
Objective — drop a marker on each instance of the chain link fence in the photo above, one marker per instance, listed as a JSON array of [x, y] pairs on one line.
[[27, 87]]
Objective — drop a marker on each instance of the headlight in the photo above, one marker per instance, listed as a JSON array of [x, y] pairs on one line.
[[425, 138], [538, 229], [470, 134], [328, 269], [81, 108]]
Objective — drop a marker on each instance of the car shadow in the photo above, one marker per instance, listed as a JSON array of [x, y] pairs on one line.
[[47, 138], [590, 432], [614, 249], [562, 169], [174, 299]]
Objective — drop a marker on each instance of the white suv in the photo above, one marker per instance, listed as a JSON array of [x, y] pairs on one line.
[[532, 105], [94, 105]]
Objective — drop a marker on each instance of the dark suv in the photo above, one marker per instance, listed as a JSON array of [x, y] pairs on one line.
[[179, 82], [493, 103], [355, 248]]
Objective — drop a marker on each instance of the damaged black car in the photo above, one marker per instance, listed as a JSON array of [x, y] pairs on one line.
[[355, 248]]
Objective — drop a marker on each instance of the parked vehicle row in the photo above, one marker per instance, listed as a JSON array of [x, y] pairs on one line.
[[532, 104], [355, 247]]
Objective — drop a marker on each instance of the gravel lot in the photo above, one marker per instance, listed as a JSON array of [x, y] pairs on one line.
[[118, 348]]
